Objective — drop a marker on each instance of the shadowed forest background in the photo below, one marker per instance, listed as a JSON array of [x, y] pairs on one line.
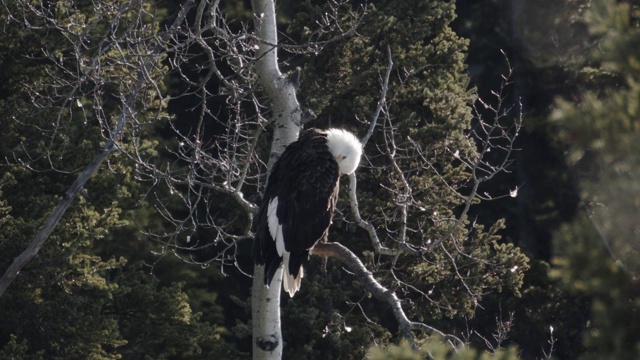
[[117, 279]]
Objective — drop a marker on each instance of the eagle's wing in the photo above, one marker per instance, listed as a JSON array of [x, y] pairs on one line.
[[301, 192], [307, 197]]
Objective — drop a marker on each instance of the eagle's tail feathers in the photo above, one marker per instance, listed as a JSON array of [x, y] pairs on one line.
[[290, 283]]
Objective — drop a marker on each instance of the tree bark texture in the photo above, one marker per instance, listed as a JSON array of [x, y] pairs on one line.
[[265, 302]]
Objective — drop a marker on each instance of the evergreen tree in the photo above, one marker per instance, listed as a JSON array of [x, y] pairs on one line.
[[424, 162], [547, 44], [598, 252], [78, 300], [428, 111]]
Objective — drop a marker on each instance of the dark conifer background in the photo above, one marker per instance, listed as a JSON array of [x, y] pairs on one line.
[[555, 267]]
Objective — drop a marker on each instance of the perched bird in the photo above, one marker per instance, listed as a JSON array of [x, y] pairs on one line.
[[299, 200]]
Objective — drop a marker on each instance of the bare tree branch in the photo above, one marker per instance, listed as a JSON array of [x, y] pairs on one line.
[[127, 113], [355, 210], [215, 59], [488, 134], [383, 99], [344, 255], [265, 302]]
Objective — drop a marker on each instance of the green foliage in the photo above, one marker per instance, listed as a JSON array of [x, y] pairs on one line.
[[442, 282], [427, 111], [584, 268], [552, 33], [598, 252], [615, 25], [105, 310], [15, 350], [87, 295], [604, 133], [436, 348], [81, 298], [318, 323]]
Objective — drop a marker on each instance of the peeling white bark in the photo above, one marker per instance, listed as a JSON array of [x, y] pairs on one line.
[[265, 316], [265, 302], [281, 91]]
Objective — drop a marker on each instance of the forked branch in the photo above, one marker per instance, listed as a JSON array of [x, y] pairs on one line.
[[380, 292]]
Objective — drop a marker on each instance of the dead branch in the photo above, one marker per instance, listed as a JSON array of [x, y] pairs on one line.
[[111, 146], [347, 257]]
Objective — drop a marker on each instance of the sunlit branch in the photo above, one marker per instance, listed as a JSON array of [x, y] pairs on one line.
[[355, 210], [381, 293], [382, 101], [127, 111]]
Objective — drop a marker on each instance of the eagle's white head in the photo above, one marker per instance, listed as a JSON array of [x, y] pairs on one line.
[[346, 149]]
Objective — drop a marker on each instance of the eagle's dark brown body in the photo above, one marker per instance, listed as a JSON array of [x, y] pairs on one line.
[[299, 201]]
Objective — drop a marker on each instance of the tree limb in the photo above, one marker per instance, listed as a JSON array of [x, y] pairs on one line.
[[383, 98], [265, 306], [355, 209], [344, 255], [111, 145], [27, 255]]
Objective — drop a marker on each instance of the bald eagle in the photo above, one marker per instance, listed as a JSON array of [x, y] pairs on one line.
[[299, 199]]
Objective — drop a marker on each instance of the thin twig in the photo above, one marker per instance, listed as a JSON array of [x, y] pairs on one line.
[[111, 146], [383, 99]]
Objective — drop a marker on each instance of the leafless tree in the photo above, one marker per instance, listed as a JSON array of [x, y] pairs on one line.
[[84, 71], [125, 52]]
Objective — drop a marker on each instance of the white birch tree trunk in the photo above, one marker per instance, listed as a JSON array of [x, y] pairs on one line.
[[265, 302]]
